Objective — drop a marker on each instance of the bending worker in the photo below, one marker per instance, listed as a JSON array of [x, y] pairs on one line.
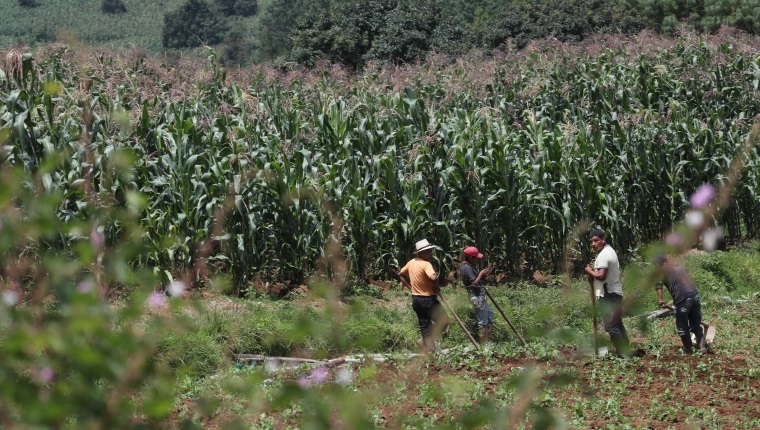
[[472, 280], [419, 276], [685, 300]]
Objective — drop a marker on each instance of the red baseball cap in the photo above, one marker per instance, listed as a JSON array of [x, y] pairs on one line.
[[471, 251]]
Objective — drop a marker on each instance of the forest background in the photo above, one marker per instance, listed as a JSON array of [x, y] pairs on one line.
[[354, 32]]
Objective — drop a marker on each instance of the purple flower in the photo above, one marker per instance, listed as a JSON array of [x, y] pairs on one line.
[[97, 240], [702, 196], [85, 286], [46, 375], [674, 239], [156, 301], [320, 375]]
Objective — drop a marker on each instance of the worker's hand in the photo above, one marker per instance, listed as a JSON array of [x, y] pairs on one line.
[[589, 270], [662, 304], [485, 272]]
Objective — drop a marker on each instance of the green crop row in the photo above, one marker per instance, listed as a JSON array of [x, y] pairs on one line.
[[283, 179]]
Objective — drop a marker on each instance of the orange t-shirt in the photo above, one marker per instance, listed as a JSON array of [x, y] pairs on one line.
[[419, 272]]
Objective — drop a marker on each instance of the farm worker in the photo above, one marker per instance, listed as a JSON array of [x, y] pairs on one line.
[[472, 279], [608, 290], [688, 308], [421, 279]]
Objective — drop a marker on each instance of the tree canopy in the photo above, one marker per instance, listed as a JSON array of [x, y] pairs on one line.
[[193, 24]]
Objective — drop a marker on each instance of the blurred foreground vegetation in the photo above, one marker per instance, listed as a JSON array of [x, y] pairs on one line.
[[148, 212]]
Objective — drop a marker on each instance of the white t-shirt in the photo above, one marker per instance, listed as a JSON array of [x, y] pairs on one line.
[[608, 259]]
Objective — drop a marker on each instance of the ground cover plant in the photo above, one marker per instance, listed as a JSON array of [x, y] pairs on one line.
[[136, 195], [555, 378]]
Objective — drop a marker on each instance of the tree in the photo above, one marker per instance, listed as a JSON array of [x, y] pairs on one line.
[[277, 19], [343, 35], [386, 30], [415, 27], [565, 20], [238, 47], [237, 7], [193, 24], [707, 15], [113, 6], [666, 15]]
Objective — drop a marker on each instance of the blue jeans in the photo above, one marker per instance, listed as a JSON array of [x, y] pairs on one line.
[[689, 316], [483, 311]]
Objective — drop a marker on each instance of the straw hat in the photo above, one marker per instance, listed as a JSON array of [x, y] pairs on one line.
[[423, 245]]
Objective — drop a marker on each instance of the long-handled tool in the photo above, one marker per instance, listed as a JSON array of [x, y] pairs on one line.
[[593, 317], [461, 324], [512, 326]]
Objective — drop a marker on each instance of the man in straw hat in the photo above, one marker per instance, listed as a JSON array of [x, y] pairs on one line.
[[421, 279]]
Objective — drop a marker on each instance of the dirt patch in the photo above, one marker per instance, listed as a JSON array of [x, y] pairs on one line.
[[668, 391]]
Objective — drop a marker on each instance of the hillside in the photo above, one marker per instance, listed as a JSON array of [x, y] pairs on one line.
[[140, 26]]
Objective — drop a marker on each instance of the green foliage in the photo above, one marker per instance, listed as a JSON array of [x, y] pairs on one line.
[[193, 24], [710, 15], [385, 30], [276, 20], [237, 7], [113, 6], [305, 174], [343, 35], [565, 20], [140, 26], [725, 273], [195, 353], [414, 28], [68, 357], [238, 46]]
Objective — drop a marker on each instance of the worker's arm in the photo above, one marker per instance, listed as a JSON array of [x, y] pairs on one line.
[[404, 281], [598, 274], [658, 288], [483, 273]]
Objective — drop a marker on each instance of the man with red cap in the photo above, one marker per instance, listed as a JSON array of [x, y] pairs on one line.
[[472, 280]]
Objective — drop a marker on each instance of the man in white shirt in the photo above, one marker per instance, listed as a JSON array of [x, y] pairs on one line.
[[608, 290]]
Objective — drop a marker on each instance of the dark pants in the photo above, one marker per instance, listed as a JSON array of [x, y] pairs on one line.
[[431, 316], [612, 319], [689, 318]]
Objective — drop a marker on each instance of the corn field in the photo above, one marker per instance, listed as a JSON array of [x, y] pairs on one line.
[[273, 172]]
